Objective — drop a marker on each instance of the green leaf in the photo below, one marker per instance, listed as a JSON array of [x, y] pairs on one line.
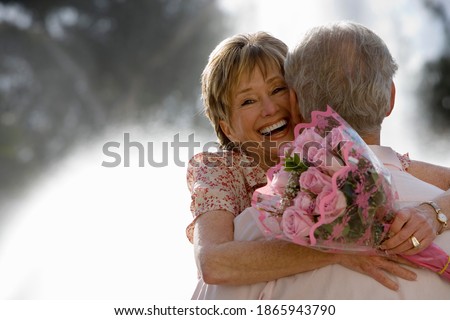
[[294, 164]]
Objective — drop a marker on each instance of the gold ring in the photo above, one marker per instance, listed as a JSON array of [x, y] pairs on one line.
[[415, 242]]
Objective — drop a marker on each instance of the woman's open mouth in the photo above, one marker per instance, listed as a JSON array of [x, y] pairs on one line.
[[274, 128]]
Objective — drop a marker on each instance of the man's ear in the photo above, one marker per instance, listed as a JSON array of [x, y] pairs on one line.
[[392, 102], [226, 129]]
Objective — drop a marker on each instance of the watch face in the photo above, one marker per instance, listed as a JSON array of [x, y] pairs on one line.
[[442, 217]]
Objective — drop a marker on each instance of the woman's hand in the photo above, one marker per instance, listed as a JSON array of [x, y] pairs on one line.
[[378, 268], [419, 222]]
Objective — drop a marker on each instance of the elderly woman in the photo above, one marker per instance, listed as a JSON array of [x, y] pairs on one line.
[[253, 113]]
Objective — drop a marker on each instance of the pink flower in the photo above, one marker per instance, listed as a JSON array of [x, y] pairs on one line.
[[314, 181], [305, 202], [322, 122], [336, 136], [296, 224], [308, 143], [313, 153], [327, 161], [279, 181], [330, 204]]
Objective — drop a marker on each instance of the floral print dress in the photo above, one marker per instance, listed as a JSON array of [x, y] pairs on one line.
[[222, 181]]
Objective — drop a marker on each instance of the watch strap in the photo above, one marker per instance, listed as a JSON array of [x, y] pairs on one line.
[[439, 213]]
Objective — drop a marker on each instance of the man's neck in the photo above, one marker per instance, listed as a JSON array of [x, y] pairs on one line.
[[372, 139]]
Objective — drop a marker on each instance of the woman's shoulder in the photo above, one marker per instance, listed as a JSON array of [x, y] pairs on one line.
[[227, 163], [221, 159]]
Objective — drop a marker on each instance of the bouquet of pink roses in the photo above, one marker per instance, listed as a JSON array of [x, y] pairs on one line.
[[331, 192]]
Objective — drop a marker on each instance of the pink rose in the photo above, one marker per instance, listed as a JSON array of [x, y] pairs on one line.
[[307, 143], [330, 204], [336, 136], [296, 224], [312, 152], [327, 161], [305, 202], [314, 181], [279, 181]]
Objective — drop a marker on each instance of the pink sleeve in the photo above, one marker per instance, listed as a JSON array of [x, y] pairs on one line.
[[404, 160]]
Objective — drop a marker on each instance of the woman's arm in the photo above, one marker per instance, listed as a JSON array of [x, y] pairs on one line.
[[221, 260], [433, 174], [420, 221]]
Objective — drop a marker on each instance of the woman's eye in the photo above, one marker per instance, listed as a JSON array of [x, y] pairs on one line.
[[247, 102], [279, 89]]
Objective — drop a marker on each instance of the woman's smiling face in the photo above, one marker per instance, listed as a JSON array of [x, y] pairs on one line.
[[260, 112]]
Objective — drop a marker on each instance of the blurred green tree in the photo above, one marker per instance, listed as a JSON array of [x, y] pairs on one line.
[[70, 68], [435, 84]]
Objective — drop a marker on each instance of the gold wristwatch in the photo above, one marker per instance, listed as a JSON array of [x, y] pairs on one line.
[[440, 216]]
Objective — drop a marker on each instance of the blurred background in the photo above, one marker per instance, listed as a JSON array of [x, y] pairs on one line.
[[76, 75]]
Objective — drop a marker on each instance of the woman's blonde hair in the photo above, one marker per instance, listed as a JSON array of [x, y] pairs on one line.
[[229, 61]]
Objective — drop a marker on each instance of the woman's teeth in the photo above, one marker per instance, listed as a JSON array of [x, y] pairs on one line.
[[268, 130]]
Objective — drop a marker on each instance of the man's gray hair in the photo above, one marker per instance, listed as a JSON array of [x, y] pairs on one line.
[[347, 66]]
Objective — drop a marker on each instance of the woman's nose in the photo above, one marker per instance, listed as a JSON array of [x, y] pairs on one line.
[[269, 107]]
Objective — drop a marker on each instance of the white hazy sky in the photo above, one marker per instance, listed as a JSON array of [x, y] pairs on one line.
[[89, 232]]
